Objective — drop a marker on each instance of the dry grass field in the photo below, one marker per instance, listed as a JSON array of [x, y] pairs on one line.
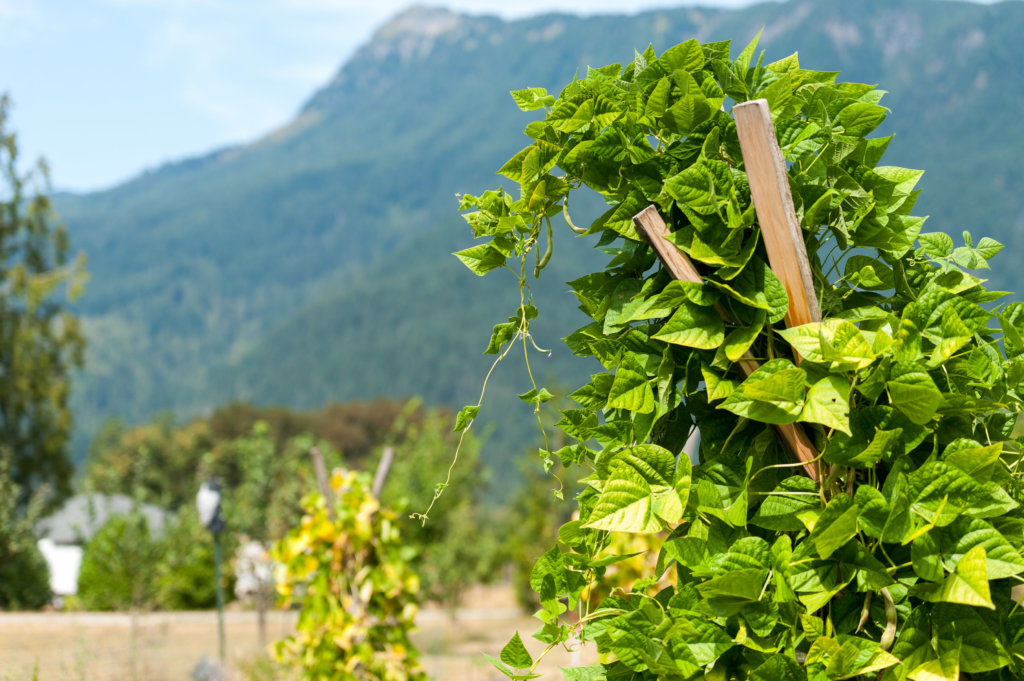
[[98, 646]]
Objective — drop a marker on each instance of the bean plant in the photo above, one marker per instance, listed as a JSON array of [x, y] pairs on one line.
[[348, 568], [899, 561]]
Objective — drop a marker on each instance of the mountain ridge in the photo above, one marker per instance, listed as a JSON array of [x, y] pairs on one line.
[[254, 271]]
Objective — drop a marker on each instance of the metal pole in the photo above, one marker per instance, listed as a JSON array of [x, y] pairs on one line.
[[220, 594]]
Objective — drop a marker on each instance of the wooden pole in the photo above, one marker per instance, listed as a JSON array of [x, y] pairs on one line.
[[651, 225], [322, 481], [387, 457], [773, 202]]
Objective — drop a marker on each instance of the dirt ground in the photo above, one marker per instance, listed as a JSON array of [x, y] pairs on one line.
[[98, 646]]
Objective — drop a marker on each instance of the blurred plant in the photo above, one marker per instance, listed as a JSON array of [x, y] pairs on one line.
[[119, 565], [262, 669], [184, 571], [174, 454], [357, 593], [24, 575], [40, 340], [270, 480], [459, 546], [530, 525], [229, 443]]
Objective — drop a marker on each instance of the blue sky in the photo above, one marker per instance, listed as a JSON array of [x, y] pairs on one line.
[[104, 89]]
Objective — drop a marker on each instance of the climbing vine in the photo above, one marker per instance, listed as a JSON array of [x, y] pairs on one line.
[[898, 563], [348, 568]]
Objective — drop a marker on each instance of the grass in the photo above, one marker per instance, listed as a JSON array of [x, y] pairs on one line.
[[96, 646]]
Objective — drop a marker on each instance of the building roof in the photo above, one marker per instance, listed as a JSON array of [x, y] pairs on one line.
[[83, 514]]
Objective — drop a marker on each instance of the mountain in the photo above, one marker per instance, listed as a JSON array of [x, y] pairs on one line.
[[314, 263]]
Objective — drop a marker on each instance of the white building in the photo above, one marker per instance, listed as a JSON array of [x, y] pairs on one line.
[[64, 534]]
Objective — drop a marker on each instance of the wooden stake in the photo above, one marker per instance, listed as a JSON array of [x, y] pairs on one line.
[[322, 481], [387, 457], [652, 226], [773, 202]]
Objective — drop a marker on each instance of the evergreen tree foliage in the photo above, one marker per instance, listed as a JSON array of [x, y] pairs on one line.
[[24, 575], [41, 343]]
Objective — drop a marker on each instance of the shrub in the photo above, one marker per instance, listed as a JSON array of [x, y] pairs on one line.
[[119, 565], [24, 575], [357, 593], [185, 577]]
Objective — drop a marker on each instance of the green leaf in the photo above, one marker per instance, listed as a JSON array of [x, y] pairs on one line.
[[532, 98], [501, 334], [657, 101], [968, 585], [535, 397], [739, 340], [980, 648], [837, 343], [465, 417], [584, 673], [718, 388], [514, 654], [886, 519], [624, 301], [743, 60], [945, 667], [936, 244], [688, 56], [631, 390], [779, 509], [988, 248], [481, 259], [869, 273], [848, 656], [913, 392], [828, 403], [778, 667], [772, 394], [758, 287], [683, 481], [704, 640], [692, 188], [859, 118], [693, 326], [924, 556], [836, 526], [978, 462], [687, 113], [508, 672], [639, 494], [1002, 560], [548, 577], [864, 455], [940, 492], [968, 258], [739, 585]]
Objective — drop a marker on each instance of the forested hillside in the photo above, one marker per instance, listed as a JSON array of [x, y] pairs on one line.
[[313, 264]]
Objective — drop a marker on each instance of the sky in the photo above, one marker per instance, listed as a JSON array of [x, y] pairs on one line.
[[105, 89]]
